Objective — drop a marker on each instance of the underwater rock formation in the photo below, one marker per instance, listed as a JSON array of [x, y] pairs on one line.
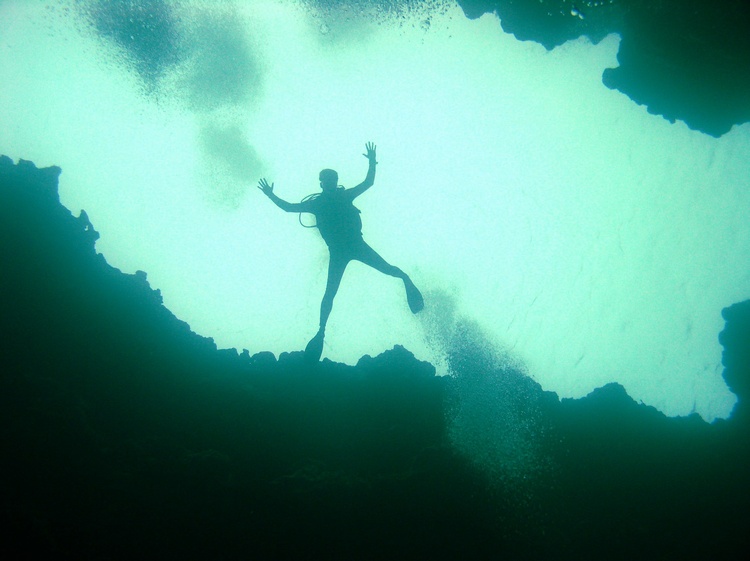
[[736, 356], [124, 432], [682, 59]]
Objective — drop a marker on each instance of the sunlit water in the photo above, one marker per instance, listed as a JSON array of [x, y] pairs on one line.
[[590, 241]]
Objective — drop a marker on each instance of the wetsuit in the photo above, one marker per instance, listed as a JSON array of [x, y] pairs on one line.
[[337, 219], [340, 226]]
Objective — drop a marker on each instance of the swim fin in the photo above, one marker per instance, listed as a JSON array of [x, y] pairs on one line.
[[413, 297], [314, 348]]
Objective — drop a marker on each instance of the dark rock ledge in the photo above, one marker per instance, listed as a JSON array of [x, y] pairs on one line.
[[125, 435]]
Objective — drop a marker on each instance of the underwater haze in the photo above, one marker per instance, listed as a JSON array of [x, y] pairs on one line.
[[587, 239]]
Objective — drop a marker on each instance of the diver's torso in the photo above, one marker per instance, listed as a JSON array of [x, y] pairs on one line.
[[337, 218]]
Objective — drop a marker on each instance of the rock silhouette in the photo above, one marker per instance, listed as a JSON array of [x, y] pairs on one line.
[[124, 432]]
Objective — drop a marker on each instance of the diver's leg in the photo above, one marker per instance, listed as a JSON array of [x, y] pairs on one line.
[[336, 266], [370, 257]]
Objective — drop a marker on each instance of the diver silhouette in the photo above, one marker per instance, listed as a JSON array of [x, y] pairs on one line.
[[340, 226]]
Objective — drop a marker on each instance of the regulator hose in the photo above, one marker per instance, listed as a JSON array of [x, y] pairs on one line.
[[309, 197]]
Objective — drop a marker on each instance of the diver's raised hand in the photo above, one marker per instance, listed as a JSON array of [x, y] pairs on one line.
[[370, 154], [265, 187]]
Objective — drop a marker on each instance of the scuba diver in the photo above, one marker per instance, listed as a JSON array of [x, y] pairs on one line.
[[340, 226]]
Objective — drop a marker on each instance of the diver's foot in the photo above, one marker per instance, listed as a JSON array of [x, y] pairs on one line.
[[314, 348], [413, 297]]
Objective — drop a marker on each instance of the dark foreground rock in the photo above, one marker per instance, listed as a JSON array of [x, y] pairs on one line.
[[125, 435]]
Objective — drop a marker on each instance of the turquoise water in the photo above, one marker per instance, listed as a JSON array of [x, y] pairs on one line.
[[567, 220], [564, 237]]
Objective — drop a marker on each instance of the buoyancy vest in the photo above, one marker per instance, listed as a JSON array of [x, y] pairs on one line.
[[336, 217]]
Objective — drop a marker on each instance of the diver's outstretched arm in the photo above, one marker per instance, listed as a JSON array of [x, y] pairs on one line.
[[279, 202], [355, 192]]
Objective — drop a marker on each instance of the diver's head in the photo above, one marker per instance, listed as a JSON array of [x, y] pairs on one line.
[[329, 180]]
